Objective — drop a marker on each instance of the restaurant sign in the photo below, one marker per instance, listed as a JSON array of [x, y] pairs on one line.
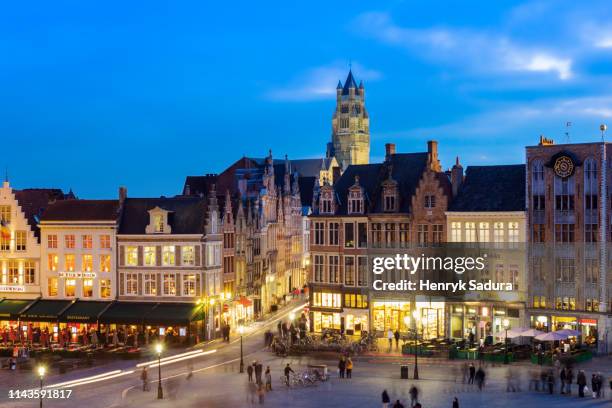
[[86, 275], [12, 288]]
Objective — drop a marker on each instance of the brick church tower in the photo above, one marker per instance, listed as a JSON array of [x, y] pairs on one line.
[[350, 125]]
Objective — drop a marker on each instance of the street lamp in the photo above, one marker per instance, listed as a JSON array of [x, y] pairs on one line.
[[160, 391], [41, 374], [292, 316], [211, 314], [241, 331], [506, 324], [417, 319]]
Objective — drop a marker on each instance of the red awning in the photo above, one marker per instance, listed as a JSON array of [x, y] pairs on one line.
[[244, 301]]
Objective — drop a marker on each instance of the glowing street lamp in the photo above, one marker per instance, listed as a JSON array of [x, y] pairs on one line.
[[158, 349], [506, 324], [41, 373], [241, 331]]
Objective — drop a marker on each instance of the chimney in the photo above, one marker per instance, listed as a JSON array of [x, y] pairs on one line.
[[336, 173], [389, 150], [432, 155], [122, 195], [456, 177]]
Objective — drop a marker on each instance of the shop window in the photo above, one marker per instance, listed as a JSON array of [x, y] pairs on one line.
[[70, 288], [105, 288], [29, 272], [169, 284], [189, 285], [52, 286], [69, 262], [87, 241], [188, 255], [87, 263], [131, 256], [105, 263], [20, 240], [69, 241], [131, 284], [87, 288], [52, 241], [52, 262], [105, 241], [149, 255]]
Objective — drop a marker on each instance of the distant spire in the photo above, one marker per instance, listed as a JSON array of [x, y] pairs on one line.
[[361, 84], [339, 85]]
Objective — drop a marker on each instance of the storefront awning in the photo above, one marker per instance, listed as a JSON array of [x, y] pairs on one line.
[[45, 310], [169, 314], [127, 312], [10, 309], [84, 312], [244, 301]]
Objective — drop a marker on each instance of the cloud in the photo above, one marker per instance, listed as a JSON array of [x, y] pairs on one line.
[[476, 51], [319, 82]]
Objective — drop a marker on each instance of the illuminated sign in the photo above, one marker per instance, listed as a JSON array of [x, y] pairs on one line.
[[86, 275], [12, 288]]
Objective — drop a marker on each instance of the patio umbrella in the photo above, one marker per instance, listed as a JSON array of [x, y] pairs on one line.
[[570, 332], [551, 336], [512, 333], [531, 333]]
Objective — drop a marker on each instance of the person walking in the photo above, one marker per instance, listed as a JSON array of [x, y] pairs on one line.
[[144, 376], [341, 367], [472, 374], [390, 339], [261, 393], [455, 403], [563, 378], [398, 404], [581, 381], [550, 379], [349, 368], [250, 372], [480, 378], [397, 338], [569, 377], [268, 379], [414, 395], [385, 399], [288, 371], [258, 373]]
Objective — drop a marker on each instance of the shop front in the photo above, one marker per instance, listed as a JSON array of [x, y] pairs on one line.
[[325, 310], [391, 315], [431, 318], [10, 312]]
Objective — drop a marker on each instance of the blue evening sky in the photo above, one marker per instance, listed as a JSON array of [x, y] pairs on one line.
[[101, 94]]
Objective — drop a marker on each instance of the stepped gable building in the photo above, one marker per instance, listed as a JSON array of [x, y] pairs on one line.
[[488, 212], [375, 209], [569, 231], [350, 142], [20, 212]]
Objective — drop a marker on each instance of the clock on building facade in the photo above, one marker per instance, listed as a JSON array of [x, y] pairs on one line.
[[564, 166]]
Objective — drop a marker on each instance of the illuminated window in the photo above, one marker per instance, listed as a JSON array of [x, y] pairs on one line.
[[52, 241], [131, 255], [513, 232], [87, 263], [168, 255], [69, 241], [13, 273], [87, 287], [470, 232], [29, 272], [70, 287], [150, 284], [5, 241], [158, 223], [188, 255], [69, 262], [149, 256], [105, 263], [456, 231], [169, 284], [52, 286], [131, 284], [105, 288], [325, 299], [483, 232], [20, 240], [105, 241], [87, 241], [5, 213], [53, 262], [189, 285], [498, 232]]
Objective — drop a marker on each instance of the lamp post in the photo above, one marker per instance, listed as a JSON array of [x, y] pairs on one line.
[[506, 324], [41, 374], [241, 331], [160, 391], [417, 319], [211, 312]]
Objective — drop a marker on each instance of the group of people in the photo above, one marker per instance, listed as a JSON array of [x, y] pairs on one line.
[[414, 399], [345, 367], [391, 335], [545, 381], [256, 384], [471, 375]]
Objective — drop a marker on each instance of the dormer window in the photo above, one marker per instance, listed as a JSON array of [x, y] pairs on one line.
[[356, 205], [326, 204], [158, 222], [355, 198], [390, 193], [389, 202]]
